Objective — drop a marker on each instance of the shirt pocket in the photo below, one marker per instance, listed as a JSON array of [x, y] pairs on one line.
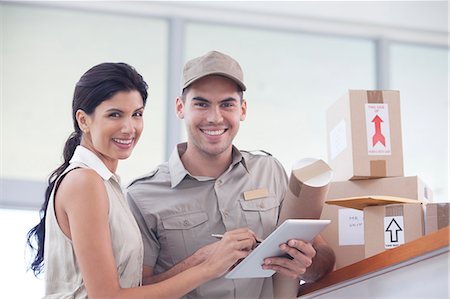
[[181, 232], [261, 214]]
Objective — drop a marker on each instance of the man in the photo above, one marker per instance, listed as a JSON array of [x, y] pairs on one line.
[[208, 187]]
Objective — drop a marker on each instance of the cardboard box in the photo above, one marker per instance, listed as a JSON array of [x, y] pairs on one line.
[[436, 216], [308, 188], [365, 135], [408, 187], [389, 226], [347, 234]]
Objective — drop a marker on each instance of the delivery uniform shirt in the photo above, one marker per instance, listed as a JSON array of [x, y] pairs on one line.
[[177, 213], [62, 273]]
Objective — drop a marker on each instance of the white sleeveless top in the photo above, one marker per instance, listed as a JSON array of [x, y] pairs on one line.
[[62, 274]]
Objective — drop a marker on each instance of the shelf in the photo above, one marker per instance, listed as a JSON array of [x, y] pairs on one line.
[[422, 248]]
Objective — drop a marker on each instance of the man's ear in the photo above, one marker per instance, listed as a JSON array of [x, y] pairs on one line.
[[243, 110], [179, 106], [82, 120]]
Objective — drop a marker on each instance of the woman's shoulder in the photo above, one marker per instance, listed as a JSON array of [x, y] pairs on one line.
[[81, 183], [81, 176]]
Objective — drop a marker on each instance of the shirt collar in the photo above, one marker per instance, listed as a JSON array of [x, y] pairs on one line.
[[85, 156], [178, 172], [238, 158]]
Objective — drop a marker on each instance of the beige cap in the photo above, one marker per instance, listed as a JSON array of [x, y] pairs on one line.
[[212, 63]]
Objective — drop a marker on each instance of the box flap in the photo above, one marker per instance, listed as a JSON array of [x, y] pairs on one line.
[[360, 202], [312, 172]]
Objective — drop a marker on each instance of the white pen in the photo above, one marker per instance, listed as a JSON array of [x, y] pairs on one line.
[[220, 236]]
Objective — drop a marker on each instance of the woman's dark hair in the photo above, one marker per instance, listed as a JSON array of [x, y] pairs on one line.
[[98, 84]]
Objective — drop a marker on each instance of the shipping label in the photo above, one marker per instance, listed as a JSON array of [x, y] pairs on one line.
[[394, 231], [378, 129], [351, 227], [338, 139]]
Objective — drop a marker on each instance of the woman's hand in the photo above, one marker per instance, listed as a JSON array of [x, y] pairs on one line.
[[234, 246]]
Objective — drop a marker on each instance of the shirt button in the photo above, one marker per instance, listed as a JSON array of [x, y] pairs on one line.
[[186, 222], [219, 182], [261, 205]]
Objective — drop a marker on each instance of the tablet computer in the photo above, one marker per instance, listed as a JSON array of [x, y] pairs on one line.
[[302, 229]]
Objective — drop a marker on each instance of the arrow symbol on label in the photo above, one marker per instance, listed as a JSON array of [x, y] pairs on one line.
[[378, 137], [393, 230]]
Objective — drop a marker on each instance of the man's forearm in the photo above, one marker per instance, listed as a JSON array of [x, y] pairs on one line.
[[322, 263]]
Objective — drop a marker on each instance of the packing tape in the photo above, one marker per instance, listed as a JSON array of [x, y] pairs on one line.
[[312, 170], [375, 96], [394, 210], [378, 168], [302, 175]]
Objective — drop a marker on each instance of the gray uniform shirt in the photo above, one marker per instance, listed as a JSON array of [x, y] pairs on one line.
[[177, 213]]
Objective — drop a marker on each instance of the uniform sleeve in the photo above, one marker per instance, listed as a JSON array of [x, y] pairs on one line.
[[147, 225], [281, 180]]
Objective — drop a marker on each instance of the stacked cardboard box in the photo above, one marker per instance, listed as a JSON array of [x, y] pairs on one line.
[[436, 216], [365, 153], [365, 135]]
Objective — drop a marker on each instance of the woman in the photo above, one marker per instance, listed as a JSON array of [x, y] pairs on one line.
[[87, 237]]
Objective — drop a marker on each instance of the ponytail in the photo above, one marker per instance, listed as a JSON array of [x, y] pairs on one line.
[[37, 234]]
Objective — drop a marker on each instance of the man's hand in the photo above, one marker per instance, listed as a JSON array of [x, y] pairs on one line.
[[307, 261], [300, 257]]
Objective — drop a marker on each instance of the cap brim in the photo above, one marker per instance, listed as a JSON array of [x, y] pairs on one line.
[[236, 80]]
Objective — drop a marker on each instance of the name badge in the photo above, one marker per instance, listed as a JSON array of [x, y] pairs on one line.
[[255, 194]]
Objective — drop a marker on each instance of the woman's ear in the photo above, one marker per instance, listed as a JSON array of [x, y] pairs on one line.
[[82, 120]]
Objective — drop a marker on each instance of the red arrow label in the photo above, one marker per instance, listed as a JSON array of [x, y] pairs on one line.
[[378, 137]]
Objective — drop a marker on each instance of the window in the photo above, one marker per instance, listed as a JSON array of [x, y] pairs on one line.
[[421, 75], [291, 78], [44, 53]]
